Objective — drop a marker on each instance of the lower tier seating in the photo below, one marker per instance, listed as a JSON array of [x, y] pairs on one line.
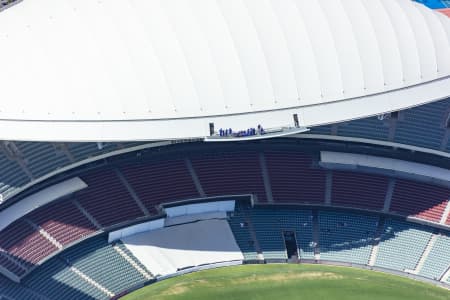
[[55, 280], [438, 259], [401, 245], [240, 227], [269, 225], [15, 291], [346, 237], [98, 260], [94, 269]]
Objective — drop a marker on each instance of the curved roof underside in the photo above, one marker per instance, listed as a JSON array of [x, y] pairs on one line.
[[148, 69]]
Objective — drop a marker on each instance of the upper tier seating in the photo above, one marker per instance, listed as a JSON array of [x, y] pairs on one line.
[[41, 158], [107, 199], [426, 118], [379, 130], [346, 237], [438, 259], [293, 178], [401, 245], [12, 176], [159, 182], [358, 190], [230, 174], [409, 128], [422, 200]]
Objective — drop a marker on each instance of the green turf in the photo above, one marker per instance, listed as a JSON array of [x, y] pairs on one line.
[[282, 281]]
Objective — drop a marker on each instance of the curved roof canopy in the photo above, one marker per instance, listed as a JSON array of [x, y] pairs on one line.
[[149, 69]]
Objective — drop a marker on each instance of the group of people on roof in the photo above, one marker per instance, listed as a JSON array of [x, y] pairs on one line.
[[242, 133]]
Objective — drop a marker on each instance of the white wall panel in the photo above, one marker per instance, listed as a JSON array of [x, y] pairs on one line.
[[197, 208], [135, 229]]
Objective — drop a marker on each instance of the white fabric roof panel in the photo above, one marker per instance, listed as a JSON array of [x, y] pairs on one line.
[[79, 62]]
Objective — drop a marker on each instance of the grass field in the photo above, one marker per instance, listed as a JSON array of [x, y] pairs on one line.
[[282, 281]]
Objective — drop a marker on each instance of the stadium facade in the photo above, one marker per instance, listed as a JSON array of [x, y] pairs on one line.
[[106, 108]]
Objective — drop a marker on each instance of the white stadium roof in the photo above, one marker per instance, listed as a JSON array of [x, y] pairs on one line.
[[83, 70]]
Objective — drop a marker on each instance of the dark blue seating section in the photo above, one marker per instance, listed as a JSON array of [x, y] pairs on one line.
[[13, 177], [349, 237], [17, 292], [95, 259], [346, 237], [379, 130], [42, 158], [427, 119], [270, 224], [240, 227], [55, 280], [422, 126], [98, 260]]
